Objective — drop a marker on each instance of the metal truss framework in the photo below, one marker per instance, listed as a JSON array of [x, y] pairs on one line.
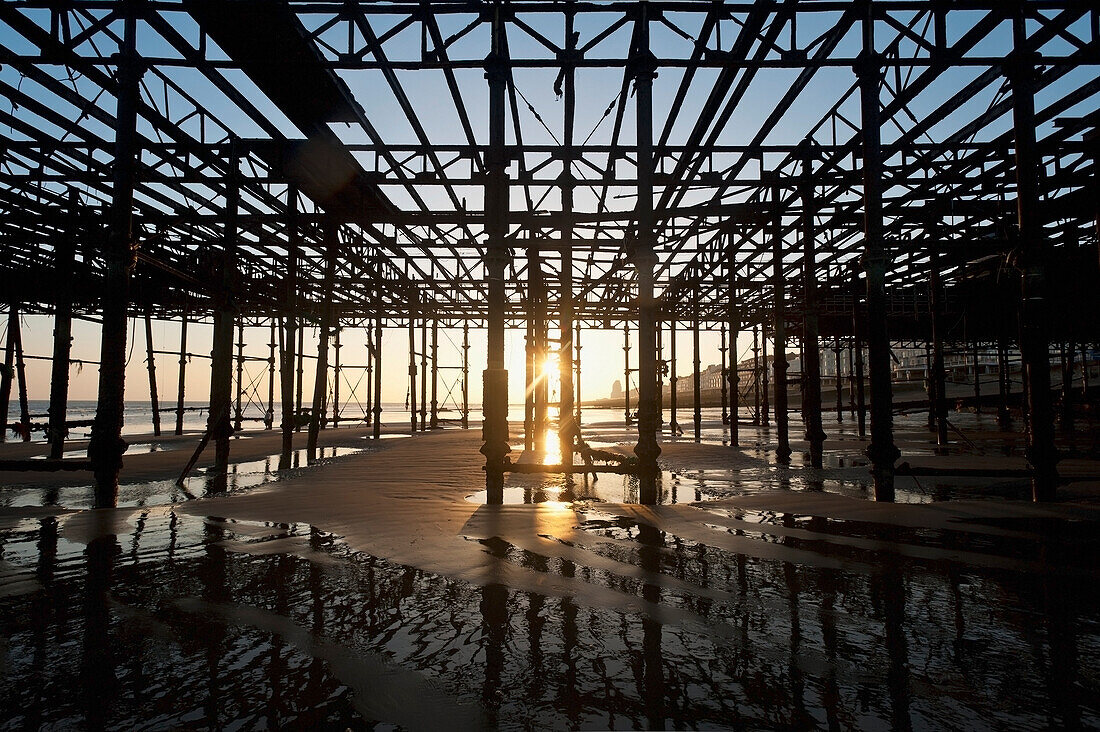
[[337, 152]]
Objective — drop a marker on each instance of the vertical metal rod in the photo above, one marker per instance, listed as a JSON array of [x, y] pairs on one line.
[[435, 373], [811, 346], [724, 375], [368, 368], [412, 374], [219, 419], [644, 258], [765, 407], [107, 446], [696, 376], [238, 413], [882, 451], [756, 375], [181, 382], [930, 383], [8, 375], [269, 416], [529, 379], [577, 370], [673, 381], [1041, 453], [299, 386], [465, 375], [939, 377], [783, 447], [733, 315], [378, 377], [495, 380], [626, 373], [567, 426], [423, 374], [150, 360], [857, 342], [21, 378], [64, 253], [838, 352], [336, 346], [662, 372], [292, 331], [331, 232]]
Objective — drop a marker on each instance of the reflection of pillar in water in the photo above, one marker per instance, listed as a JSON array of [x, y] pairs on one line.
[[891, 587], [98, 682], [494, 626], [653, 679]]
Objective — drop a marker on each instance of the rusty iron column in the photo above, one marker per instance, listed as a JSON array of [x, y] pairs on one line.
[[857, 344], [424, 374], [434, 424], [331, 233], [181, 379], [626, 372], [238, 414], [290, 326], [299, 386], [783, 447], [765, 406], [412, 374], [269, 416], [107, 446], [150, 359], [756, 375], [662, 372], [225, 306], [644, 70], [723, 375], [1041, 453], [21, 378], [377, 353], [567, 426], [811, 346], [673, 381], [8, 374], [336, 346], [577, 371], [495, 382], [882, 451], [938, 376], [540, 399], [733, 315], [696, 385], [64, 256], [369, 374], [838, 352], [466, 375], [529, 379]]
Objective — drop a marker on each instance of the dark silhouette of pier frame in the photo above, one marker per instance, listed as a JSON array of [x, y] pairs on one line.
[[837, 238]]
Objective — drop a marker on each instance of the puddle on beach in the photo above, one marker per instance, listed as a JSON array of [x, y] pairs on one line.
[[182, 621]]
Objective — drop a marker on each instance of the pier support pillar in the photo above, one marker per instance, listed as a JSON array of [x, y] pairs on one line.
[[938, 375], [238, 413], [424, 375], [269, 416], [626, 373], [495, 396], [107, 446], [412, 374], [151, 365], [64, 253], [673, 425], [181, 379], [21, 384], [1041, 453], [643, 68], [336, 346], [779, 361], [465, 375], [696, 386], [882, 451], [811, 346], [724, 375], [377, 355], [838, 352], [331, 232], [7, 377], [435, 373], [290, 329], [765, 406], [733, 315]]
